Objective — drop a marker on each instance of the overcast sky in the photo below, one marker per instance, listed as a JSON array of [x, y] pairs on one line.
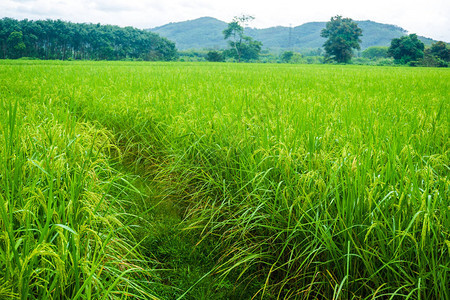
[[429, 18]]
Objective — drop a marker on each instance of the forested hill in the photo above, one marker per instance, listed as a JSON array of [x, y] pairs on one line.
[[206, 32], [65, 40]]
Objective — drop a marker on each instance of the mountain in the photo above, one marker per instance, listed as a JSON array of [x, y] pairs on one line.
[[200, 33], [206, 33]]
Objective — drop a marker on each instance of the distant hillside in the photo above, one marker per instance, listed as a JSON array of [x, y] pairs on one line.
[[206, 32], [200, 33]]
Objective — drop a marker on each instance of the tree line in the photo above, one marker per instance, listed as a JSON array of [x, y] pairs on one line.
[[343, 36], [56, 39]]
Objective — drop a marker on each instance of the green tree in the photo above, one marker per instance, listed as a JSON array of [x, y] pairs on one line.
[[287, 56], [440, 50], [438, 55], [16, 44], [214, 56], [7, 26], [249, 49], [342, 36], [243, 47], [406, 49], [375, 52]]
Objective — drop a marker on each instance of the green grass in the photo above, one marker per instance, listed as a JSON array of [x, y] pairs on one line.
[[302, 182]]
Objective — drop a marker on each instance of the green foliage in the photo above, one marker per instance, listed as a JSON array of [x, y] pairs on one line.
[[214, 56], [385, 62], [373, 62], [438, 55], [241, 47], [297, 58], [192, 55], [406, 49], [440, 50], [16, 45], [245, 49], [343, 36], [312, 52], [63, 40], [287, 56], [431, 61], [375, 52]]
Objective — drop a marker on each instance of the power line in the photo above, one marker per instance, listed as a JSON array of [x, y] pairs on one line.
[[290, 37]]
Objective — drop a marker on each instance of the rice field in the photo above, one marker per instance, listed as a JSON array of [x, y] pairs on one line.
[[309, 181]]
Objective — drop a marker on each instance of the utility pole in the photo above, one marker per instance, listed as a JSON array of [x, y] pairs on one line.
[[290, 37]]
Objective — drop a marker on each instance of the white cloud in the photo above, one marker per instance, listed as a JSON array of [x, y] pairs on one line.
[[428, 18]]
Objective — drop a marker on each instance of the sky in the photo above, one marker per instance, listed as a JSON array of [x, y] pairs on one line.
[[428, 18]]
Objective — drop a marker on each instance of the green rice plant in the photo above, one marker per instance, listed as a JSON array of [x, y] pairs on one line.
[[314, 181], [63, 234]]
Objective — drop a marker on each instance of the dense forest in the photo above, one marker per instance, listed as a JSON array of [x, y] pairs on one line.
[[56, 39]]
